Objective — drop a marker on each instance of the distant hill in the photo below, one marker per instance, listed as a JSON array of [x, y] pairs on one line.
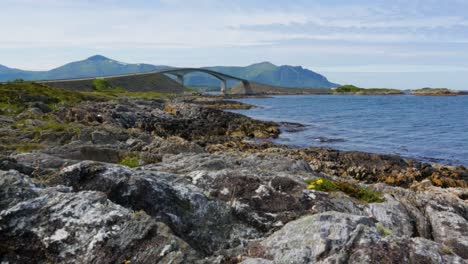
[[95, 66], [266, 73]]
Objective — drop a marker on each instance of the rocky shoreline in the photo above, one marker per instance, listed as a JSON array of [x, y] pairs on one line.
[[176, 180]]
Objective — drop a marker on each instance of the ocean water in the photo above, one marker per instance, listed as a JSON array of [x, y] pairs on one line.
[[427, 128]]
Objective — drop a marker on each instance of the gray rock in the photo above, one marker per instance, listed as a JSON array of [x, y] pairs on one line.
[[102, 137], [43, 224], [206, 224], [325, 237], [333, 237], [393, 215]]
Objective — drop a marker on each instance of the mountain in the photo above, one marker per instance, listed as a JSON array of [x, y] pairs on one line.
[[91, 67], [266, 73], [95, 66]]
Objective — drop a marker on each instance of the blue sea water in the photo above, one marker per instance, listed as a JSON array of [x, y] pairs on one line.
[[427, 128]]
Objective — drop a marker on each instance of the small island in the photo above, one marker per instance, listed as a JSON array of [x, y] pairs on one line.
[[437, 92], [351, 89]]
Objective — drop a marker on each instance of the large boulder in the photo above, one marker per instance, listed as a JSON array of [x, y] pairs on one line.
[[208, 225], [40, 224], [333, 237]]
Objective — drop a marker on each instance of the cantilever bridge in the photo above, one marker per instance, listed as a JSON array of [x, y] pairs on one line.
[[179, 73]]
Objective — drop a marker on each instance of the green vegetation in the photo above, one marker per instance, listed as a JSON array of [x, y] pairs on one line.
[[23, 147], [132, 161], [351, 89], [102, 85], [383, 230], [435, 91], [446, 250], [360, 193], [16, 95]]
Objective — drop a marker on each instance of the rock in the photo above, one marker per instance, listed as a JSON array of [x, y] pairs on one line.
[[333, 237], [393, 215], [449, 222], [405, 250], [206, 224], [172, 145], [325, 237], [9, 163], [102, 137], [43, 224], [54, 137], [41, 106], [87, 152], [256, 261]]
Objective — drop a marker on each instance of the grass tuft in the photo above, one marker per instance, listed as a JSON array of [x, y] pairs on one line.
[[383, 230], [131, 161], [360, 193]]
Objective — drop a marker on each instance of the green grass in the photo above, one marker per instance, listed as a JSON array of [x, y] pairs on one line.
[[351, 89], [22, 147], [383, 230], [132, 161], [355, 191], [16, 95]]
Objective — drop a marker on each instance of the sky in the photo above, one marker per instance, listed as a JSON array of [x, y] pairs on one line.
[[402, 44]]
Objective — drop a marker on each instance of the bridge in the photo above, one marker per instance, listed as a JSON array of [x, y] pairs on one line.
[[223, 78], [146, 79]]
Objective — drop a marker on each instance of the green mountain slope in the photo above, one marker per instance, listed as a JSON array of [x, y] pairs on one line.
[[95, 66], [267, 73], [91, 67]]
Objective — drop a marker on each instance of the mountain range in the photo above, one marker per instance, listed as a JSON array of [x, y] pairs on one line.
[[95, 66]]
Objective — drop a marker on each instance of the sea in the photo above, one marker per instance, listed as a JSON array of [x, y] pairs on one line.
[[427, 128]]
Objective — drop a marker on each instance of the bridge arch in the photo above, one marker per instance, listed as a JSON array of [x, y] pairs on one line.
[[179, 73], [86, 83]]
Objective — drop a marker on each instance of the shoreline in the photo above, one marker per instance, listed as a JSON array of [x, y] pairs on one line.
[[104, 180], [430, 160]]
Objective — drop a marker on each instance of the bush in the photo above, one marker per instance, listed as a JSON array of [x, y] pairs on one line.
[[101, 85], [362, 194]]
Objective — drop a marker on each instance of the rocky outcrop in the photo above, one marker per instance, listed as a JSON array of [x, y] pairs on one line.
[[200, 190], [208, 225], [45, 224], [342, 238]]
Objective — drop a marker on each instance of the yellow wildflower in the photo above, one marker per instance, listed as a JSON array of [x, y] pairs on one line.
[[319, 181], [311, 186]]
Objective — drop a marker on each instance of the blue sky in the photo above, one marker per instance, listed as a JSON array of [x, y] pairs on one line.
[[371, 43]]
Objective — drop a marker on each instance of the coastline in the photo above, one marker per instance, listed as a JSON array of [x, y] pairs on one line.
[[316, 139], [189, 183]]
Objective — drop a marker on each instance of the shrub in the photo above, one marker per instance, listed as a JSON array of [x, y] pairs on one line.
[[101, 85]]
